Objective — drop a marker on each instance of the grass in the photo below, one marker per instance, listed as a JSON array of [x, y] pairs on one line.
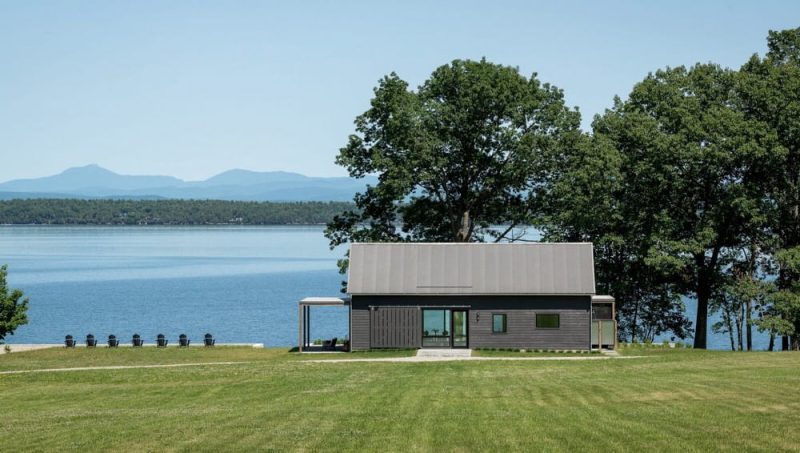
[[670, 400]]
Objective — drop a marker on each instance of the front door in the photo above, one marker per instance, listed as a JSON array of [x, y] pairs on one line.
[[460, 329], [444, 328]]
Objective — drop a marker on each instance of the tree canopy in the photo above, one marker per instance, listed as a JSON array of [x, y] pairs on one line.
[[688, 187], [470, 148], [13, 307], [166, 212]]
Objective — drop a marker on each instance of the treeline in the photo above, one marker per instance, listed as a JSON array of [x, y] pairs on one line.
[[688, 187], [166, 212]]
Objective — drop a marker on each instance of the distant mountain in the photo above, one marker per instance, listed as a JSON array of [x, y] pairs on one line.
[[93, 181], [86, 178]]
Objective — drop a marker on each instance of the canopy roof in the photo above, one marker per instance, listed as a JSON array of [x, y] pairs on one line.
[[323, 301], [471, 269]]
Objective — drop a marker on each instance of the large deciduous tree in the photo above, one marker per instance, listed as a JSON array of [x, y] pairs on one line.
[[475, 146], [593, 201], [769, 93], [684, 195], [13, 307]]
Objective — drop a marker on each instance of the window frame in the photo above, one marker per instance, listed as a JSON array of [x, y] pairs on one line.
[[558, 321], [505, 324]]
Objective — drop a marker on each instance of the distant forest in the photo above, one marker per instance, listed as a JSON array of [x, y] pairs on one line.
[[166, 212]]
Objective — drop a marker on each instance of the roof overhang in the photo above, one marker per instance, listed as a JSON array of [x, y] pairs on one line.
[[603, 298], [323, 301]]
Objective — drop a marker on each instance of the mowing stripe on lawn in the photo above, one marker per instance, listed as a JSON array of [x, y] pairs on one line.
[[118, 367]]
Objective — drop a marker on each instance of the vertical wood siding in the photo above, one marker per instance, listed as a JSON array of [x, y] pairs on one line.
[[395, 327]]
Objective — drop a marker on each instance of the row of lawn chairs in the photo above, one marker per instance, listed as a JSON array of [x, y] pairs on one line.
[[137, 341]]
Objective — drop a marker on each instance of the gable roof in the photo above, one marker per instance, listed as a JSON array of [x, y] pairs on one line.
[[471, 269]]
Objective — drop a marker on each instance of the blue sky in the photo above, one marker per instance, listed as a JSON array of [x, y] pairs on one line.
[[190, 89]]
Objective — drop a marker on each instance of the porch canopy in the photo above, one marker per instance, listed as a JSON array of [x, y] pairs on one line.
[[304, 316]]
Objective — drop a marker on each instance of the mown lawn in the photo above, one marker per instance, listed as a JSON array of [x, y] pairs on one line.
[[670, 400]]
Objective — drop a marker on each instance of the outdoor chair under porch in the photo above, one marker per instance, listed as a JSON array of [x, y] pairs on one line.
[[329, 345]]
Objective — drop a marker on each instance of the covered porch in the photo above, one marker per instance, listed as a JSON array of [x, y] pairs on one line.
[[305, 342]]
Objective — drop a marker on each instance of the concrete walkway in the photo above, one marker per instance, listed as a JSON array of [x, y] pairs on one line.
[[118, 367], [444, 353]]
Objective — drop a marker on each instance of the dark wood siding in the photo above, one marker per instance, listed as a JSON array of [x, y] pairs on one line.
[[359, 328], [392, 330], [395, 327]]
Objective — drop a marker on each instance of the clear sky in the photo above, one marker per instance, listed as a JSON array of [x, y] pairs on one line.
[[192, 88]]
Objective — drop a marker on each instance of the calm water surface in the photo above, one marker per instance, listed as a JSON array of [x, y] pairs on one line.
[[240, 283]]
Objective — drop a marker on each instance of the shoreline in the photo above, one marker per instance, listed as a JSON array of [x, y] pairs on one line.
[[24, 347]]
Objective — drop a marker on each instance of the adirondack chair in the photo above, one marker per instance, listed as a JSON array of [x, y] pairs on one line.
[[137, 341], [208, 340], [69, 342], [91, 342], [330, 345], [183, 340], [161, 341], [112, 341]]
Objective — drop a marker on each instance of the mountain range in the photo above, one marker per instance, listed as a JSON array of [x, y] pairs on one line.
[[93, 181]]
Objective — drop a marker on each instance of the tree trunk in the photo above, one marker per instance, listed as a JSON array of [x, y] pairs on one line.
[[703, 290], [771, 342], [464, 232], [739, 317], [784, 343], [796, 337], [727, 315], [701, 324], [635, 318], [749, 325]]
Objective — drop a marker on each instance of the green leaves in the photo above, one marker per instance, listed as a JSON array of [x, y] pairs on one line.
[[470, 148], [13, 307], [688, 187]]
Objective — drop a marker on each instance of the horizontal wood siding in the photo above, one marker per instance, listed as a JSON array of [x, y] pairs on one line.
[[392, 329]]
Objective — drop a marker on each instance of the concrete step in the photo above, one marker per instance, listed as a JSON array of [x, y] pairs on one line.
[[444, 353]]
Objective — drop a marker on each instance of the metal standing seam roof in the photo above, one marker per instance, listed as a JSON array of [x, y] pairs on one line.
[[471, 269]]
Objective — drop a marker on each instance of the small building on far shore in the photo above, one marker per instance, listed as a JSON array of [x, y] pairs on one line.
[[476, 295]]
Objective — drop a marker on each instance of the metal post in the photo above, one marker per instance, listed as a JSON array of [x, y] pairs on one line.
[[308, 326], [300, 323]]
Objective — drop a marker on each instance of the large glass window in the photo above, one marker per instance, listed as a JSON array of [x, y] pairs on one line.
[[548, 320], [435, 328], [499, 323]]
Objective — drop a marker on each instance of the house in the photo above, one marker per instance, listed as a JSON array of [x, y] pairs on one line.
[[475, 295]]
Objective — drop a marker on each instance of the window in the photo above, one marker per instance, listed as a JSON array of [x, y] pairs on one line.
[[548, 320], [499, 323], [602, 311]]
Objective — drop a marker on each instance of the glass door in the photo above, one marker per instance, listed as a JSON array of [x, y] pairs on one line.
[[460, 329], [435, 328]]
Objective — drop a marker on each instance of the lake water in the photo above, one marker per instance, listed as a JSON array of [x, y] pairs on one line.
[[239, 283]]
